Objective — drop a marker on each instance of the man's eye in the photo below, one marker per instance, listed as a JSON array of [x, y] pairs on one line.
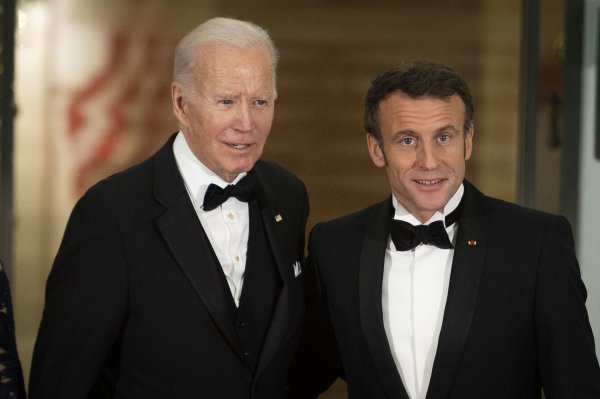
[[444, 137], [408, 140], [261, 102], [226, 101]]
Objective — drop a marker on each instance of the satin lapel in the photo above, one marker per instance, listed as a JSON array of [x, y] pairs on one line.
[[187, 241], [467, 266], [370, 278], [277, 229]]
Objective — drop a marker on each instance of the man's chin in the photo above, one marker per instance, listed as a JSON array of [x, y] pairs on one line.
[[235, 171], [429, 206]]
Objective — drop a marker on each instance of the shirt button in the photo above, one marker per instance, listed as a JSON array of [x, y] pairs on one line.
[[230, 216], [237, 258]]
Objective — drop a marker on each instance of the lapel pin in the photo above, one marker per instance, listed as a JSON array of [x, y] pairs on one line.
[[278, 218], [472, 242]]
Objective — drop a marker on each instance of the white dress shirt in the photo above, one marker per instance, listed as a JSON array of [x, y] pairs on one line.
[[415, 288], [226, 226]]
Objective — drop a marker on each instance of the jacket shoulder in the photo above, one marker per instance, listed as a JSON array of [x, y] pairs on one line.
[[500, 211], [137, 178], [519, 213], [279, 183], [354, 223], [138, 181], [273, 173]]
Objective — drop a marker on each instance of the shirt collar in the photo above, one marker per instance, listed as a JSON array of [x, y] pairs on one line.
[[402, 214], [196, 175]]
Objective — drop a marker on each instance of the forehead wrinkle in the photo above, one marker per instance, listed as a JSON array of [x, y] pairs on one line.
[[419, 115], [228, 87], [231, 71], [446, 128], [410, 117], [215, 71]]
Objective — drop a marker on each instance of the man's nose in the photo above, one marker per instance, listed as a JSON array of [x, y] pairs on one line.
[[427, 156], [243, 121]]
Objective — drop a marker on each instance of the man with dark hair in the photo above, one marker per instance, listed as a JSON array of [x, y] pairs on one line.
[[440, 291]]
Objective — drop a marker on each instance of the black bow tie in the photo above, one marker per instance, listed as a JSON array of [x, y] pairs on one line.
[[244, 191], [406, 236]]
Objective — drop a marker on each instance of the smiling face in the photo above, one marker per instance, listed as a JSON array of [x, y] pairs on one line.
[[424, 149], [227, 118]]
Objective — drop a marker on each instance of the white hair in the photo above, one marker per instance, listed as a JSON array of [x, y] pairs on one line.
[[241, 34]]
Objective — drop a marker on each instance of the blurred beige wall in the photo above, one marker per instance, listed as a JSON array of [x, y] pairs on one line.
[[87, 69]]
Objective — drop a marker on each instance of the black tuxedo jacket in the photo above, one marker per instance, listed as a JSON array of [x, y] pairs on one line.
[[135, 306], [515, 318]]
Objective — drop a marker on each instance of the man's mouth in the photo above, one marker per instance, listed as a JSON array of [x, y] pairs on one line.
[[428, 182], [239, 146]]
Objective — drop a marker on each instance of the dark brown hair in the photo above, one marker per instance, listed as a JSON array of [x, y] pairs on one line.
[[416, 79]]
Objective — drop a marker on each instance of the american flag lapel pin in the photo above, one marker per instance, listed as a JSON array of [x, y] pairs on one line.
[[472, 243]]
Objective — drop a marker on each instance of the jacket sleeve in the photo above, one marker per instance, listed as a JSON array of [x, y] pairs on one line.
[[317, 362], [566, 353], [85, 305]]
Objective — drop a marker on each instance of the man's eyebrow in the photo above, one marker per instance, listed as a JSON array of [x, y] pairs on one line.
[[409, 132]]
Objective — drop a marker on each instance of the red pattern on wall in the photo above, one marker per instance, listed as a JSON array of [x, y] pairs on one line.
[[113, 120]]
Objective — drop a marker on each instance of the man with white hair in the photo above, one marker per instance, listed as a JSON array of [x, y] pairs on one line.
[[180, 277]]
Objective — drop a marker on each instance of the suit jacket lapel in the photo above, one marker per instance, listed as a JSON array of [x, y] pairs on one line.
[[278, 236], [185, 237], [370, 277], [467, 266]]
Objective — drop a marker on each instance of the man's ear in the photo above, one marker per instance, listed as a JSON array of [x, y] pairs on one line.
[[376, 151], [469, 142], [179, 101]]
